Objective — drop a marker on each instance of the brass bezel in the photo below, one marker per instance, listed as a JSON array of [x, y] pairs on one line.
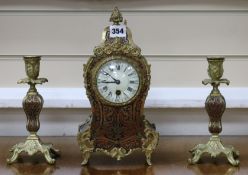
[[108, 59]]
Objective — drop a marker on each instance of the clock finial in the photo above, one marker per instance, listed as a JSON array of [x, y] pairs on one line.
[[116, 16]]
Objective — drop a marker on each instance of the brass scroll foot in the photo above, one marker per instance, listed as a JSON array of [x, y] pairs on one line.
[[214, 148], [31, 146], [84, 141], [150, 141]]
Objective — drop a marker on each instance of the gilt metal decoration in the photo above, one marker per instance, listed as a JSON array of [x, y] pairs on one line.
[[32, 105], [215, 106], [117, 129]]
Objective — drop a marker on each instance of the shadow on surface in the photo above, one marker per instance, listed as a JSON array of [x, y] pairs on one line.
[[142, 170], [209, 166], [30, 168]]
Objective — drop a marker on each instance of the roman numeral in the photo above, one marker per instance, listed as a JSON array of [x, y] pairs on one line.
[[132, 73], [130, 89], [125, 69], [109, 94], [117, 98], [126, 97], [105, 88], [118, 67], [134, 81]]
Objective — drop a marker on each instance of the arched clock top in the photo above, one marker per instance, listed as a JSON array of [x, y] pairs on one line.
[[110, 46]]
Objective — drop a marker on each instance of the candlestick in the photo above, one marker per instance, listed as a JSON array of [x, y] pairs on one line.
[[215, 106], [32, 105]]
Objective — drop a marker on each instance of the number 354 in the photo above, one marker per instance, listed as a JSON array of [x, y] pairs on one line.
[[117, 31]]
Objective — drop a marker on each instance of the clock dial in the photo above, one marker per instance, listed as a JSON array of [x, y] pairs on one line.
[[117, 81]]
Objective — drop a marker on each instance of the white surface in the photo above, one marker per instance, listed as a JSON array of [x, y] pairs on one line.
[[61, 33], [117, 31], [127, 5], [157, 97]]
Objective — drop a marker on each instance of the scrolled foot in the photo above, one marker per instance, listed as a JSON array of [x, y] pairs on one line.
[[86, 157], [49, 152], [150, 141], [14, 153], [86, 145], [231, 159], [148, 159], [194, 160], [13, 158], [48, 157], [236, 154], [54, 152], [196, 155]]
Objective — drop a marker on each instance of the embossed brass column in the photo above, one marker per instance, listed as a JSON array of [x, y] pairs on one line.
[[32, 105], [215, 106]]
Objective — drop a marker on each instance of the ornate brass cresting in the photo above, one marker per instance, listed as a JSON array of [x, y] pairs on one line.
[[95, 135], [32, 105], [215, 106]]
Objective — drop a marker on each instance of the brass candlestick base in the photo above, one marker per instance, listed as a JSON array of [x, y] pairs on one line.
[[32, 105], [214, 148], [215, 106], [31, 146]]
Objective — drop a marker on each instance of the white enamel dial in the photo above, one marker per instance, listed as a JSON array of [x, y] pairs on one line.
[[117, 81]]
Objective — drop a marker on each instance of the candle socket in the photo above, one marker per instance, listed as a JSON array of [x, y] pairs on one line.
[[32, 106], [215, 106]]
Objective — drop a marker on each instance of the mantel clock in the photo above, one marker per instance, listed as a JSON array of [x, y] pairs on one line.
[[117, 80]]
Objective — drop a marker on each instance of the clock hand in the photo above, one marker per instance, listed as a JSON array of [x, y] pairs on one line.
[[106, 73], [104, 81]]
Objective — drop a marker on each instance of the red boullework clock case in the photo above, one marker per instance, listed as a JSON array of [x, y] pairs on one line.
[[117, 127]]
